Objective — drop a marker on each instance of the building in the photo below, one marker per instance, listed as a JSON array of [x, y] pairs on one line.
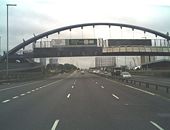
[[105, 61], [53, 61], [157, 65], [43, 61], [133, 42], [147, 59]]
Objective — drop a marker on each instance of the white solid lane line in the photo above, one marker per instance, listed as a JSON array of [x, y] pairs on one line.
[[68, 96], [102, 87], [15, 97], [140, 90], [17, 86], [50, 83], [115, 96], [55, 125], [156, 125], [5, 101], [28, 84]]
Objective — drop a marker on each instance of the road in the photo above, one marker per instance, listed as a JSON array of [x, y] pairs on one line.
[[81, 102]]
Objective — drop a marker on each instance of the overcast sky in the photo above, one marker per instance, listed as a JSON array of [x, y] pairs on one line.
[[37, 16]]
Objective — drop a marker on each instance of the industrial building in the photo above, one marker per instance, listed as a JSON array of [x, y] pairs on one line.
[[103, 61], [53, 61], [147, 59], [133, 42], [157, 65]]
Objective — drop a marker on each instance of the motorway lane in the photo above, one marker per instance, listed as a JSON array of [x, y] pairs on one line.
[[6, 86], [35, 111], [94, 109], [79, 102], [18, 89]]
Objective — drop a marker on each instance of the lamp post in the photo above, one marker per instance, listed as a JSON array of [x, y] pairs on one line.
[[7, 38]]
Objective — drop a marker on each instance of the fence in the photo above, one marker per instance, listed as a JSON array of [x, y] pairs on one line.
[[21, 77], [137, 82]]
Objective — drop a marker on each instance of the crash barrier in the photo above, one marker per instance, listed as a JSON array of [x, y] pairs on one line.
[[15, 77], [137, 82]]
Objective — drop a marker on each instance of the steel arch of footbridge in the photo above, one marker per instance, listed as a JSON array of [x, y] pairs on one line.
[[58, 30]]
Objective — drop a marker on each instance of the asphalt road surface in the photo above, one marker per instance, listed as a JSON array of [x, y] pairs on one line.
[[81, 102]]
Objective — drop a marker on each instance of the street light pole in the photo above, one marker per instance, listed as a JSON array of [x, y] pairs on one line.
[[7, 38]]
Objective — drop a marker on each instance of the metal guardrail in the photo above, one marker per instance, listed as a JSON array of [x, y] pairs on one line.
[[20, 77], [137, 82], [147, 84]]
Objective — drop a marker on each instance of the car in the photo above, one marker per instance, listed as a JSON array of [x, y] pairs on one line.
[[82, 72], [125, 75], [105, 72]]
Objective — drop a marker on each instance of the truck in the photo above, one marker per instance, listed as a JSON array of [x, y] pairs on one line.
[[116, 71]]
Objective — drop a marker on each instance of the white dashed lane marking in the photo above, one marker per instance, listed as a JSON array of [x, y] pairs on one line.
[[72, 87], [102, 87], [28, 92], [23, 94], [15, 97], [74, 82], [68, 96], [5, 101], [55, 125], [115, 96]]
